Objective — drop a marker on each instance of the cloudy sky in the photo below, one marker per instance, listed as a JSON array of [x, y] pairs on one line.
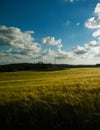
[[52, 31]]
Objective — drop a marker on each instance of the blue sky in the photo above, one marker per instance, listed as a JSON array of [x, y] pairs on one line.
[[61, 31]]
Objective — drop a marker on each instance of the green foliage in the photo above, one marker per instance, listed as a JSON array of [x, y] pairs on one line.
[[55, 100]]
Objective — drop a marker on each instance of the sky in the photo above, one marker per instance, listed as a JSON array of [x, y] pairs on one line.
[[50, 31]]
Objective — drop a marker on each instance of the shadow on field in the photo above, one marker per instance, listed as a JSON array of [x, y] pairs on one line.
[[42, 116]]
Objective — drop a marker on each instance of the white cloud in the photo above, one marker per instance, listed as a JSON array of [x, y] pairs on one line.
[[96, 33], [94, 22], [15, 38], [78, 50], [22, 47], [97, 9], [48, 52], [92, 44], [97, 55], [88, 51], [20, 44], [93, 47], [62, 54], [87, 54], [51, 41]]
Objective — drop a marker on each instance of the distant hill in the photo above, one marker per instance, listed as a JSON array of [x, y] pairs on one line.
[[39, 66]]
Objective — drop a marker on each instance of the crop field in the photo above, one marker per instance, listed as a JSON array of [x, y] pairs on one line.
[[57, 100]]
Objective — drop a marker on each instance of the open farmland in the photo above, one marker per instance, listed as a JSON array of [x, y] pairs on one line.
[[55, 100]]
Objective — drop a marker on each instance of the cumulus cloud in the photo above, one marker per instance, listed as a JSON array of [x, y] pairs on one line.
[[17, 46], [87, 51], [48, 52], [51, 41], [97, 9], [79, 50], [62, 54], [14, 37], [97, 55], [93, 44], [96, 33], [94, 22], [20, 44]]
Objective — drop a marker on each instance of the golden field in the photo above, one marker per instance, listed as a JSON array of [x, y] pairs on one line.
[[64, 99]]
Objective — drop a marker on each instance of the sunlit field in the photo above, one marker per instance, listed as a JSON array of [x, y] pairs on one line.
[[56, 100]]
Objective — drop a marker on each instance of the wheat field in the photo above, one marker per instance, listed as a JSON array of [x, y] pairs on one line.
[[55, 100]]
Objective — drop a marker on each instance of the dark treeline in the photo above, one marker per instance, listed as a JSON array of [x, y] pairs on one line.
[[39, 66]]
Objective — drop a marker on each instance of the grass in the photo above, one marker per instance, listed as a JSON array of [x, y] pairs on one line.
[[56, 100]]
